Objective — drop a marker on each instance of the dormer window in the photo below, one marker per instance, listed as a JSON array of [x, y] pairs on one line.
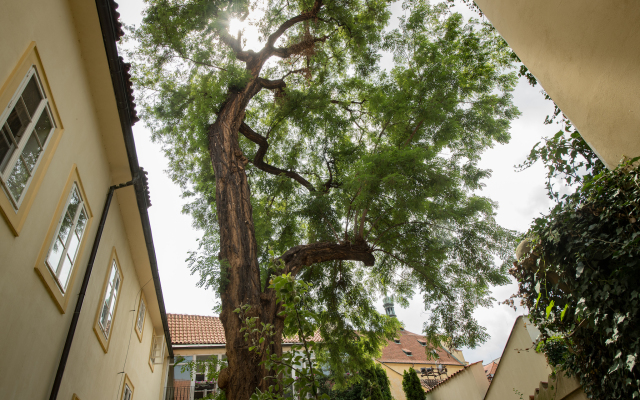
[[397, 340], [407, 352], [422, 342]]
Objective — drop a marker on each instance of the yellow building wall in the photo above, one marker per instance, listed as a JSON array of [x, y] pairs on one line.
[[585, 55], [471, 384], [395, 373], [521, 368], [33, 330]]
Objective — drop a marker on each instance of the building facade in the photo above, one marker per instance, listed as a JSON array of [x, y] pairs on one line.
[[65, 145]]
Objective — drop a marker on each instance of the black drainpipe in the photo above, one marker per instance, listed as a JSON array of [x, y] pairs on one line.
[[83, 289]]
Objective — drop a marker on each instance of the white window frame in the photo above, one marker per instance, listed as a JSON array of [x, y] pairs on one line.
[[57, 269], [127, 393], [112, 295], [142, 313], [156, 355], [44, 106]]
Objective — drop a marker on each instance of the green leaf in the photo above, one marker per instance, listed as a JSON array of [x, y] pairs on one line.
[[549, 308], [564, 310]]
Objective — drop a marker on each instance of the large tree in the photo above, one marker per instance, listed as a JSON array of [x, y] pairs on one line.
[[361, 177]]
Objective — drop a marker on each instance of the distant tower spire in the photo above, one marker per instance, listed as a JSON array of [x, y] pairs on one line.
[[388, 306]]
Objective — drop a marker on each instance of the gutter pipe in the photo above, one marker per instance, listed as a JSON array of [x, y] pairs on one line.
[[83, 290]]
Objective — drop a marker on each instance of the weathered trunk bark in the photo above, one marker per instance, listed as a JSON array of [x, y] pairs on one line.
[[238, 255]]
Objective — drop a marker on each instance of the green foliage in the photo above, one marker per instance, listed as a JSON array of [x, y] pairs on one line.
[[567, 157], [391, 154], [586, 276], [411, 385], [308, 359], [555, 349], [372, 382], [210, 367]]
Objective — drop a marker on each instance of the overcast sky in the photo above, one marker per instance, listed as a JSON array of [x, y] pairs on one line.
[[520, 195]]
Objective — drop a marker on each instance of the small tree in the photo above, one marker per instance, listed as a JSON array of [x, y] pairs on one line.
[[411, 385]]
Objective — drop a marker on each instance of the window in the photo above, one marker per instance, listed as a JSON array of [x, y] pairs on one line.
[[105, 317], [127, 389], [30, 130], [62, 248], [109, 301], [407, 351], [127, 393], [142, 310], [183, 384], [25, 128], [156, 355]]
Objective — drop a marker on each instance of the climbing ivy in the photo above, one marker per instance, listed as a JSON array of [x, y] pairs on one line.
[[580, 279]]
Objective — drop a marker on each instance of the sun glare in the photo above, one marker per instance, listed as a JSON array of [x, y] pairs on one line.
[[235, 25]]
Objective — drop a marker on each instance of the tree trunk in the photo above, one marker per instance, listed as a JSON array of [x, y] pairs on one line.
[[238, 255]]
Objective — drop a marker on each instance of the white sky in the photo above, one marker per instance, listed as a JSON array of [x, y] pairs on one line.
[[521, 197]]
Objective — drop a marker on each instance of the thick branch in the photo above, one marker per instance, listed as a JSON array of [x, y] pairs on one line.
[[297, 48], [258, 159], [269, 84], [305, 255], [311, 14], [235, 44]]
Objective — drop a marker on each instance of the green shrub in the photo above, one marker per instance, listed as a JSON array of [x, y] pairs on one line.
[[411, 385]]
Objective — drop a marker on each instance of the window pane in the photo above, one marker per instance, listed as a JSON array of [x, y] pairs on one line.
[[6, 147], [180, 376], [109, 304], [31, 152], [104, 316], [18, 120], [82, 222], [65, 270], [73, 247], [141, 312], [18, 180], [54, 256], [127, 393], [65, 227], [31, 95], [43, 127], [74, 202]]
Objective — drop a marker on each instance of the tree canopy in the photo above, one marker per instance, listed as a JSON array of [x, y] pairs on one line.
[[358, 139]]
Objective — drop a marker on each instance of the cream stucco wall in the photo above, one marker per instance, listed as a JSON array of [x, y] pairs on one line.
[[520, 368], [33, 330], [395, 373], [585, 55], [470, 384]]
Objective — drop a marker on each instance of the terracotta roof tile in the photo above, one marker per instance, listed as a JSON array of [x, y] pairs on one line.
[[195, 329], [429, 386], [199, 329], [395, 352]]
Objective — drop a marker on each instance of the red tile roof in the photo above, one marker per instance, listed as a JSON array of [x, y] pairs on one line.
[[427, 388], [200, 329], [491, 367], [395, 352]]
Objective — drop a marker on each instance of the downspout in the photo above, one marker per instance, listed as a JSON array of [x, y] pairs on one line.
[[83, 290]]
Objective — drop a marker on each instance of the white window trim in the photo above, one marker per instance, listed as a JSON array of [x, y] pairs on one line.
[[42, 107], [81, 208], [113, 295]]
